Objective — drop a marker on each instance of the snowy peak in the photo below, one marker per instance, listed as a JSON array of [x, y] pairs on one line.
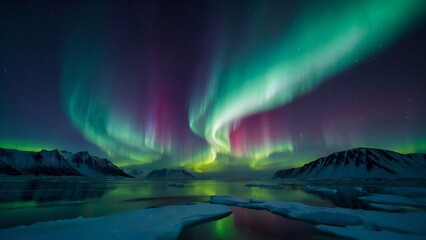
[[93, 166], [51, 163], [169, 174], [137, 171], [55, 163], [361, 163]]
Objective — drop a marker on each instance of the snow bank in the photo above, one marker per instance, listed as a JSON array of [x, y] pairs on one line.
[[392, 200], [363, 233], [153, 223], [414, 223], [385, 207], [331, 216], [406, 191]]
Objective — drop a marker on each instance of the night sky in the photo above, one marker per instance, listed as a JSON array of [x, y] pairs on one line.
[[213, 86]]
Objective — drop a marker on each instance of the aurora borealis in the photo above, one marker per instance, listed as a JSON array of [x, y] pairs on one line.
[[213, 85]]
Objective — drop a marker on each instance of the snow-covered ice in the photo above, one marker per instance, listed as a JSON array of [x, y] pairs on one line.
[[152, 223], [385, 207], [404, 223], [405, 191], [364, 233], [332, 216], [392, 200]]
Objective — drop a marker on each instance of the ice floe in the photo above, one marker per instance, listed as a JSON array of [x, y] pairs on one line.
[[406, 191], [392, 200], [364, 233], [402, 223], [385, 207], [152, 223]]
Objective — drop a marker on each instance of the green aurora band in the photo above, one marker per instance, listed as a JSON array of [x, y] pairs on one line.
[[88, 90], [87, 93], [265, 77], [270, 76]]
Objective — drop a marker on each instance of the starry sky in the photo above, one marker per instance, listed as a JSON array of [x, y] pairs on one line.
[[213, 86]]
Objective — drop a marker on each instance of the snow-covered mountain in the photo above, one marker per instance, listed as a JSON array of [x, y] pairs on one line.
[[55, 163], [359, 163], [15, 162], [89, 165], [169, 174], [136, 171]]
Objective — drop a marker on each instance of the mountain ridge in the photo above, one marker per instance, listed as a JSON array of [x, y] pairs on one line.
[[360, 163], [56, 163], [166, 173]]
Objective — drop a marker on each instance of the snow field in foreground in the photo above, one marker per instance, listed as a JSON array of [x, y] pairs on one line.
[[151, 223]]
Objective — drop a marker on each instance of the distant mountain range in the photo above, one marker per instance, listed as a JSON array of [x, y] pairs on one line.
[[360, 163], [137, 171], [56, 163], [140, 171], [169, 174]]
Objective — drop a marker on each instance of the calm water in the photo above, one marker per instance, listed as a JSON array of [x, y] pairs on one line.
[[250, 224], [29, 200]]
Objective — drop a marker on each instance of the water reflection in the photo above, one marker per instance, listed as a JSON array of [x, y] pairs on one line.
[[344, 196], [30, 200], [250, 224], [17, 194]]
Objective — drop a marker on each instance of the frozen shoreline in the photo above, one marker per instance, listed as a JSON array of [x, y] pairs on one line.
[[151, 223]]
